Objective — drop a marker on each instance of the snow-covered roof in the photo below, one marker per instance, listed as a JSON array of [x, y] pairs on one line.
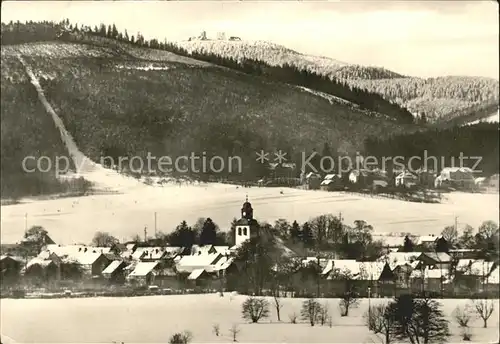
[[206, 249], [195, 274], [399, 258], [84, 258], [190, 263], [438, 256], [38, 261], [370, 270], [222, 249], [350, 265], [112, 267], [326, 182], [426, 239], [143, 268], [406, 175]]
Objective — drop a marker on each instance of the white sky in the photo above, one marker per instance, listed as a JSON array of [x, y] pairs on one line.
[[414, 38]]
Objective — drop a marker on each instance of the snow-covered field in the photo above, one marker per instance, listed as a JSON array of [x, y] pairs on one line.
[[73, 220], [153, 319]]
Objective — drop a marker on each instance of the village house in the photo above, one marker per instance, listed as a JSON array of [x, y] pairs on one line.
[[476, 275], [91, 264], [399, 258], [457, 177], [115, 272], [359, 177], [331, 182], [144, 273], [310, 180], [42, 272], [406, 179], [377, 277], [283, 170], [9, 270], [426, 177]]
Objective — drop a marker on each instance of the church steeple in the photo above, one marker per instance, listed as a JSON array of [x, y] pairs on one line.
[[246, 210]]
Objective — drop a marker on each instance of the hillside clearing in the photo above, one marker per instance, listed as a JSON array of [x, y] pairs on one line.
[[111, 319]]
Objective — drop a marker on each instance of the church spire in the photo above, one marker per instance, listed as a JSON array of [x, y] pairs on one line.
[[246, 210]]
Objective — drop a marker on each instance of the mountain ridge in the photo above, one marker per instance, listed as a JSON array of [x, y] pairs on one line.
[[407, 91]]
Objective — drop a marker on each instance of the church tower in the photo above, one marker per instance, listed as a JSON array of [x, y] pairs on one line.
[[246, 226]]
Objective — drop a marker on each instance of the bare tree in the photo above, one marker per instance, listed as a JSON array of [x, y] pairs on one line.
[[255, 308], [450, 234], [216, 329], [104, 239], [278, 305], [349, 297], [293, 318], [379, 320], [234, 330], [484, 308], [349, 300], [310, 311], [324, 314], [462, 315]]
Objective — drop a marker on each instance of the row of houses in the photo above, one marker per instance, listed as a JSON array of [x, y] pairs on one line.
[[170, 267], [456, 177], [436, 272], [174, 268]]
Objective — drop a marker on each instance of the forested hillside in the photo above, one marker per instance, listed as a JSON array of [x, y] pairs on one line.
[[288, 73], [480, 140], [440, 99], [126, 100], [437, 99]]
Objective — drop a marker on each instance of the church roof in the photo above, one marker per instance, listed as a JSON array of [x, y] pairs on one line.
[[246, 222]]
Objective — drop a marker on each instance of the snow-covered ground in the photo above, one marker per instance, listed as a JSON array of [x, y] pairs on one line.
[[494, 118], [70, 220], [154, 319]]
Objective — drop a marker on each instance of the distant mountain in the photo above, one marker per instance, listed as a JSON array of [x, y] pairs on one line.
[[278, 55], [438, 99]]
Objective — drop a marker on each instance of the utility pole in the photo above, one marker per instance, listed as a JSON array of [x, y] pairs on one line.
[[145, 233], [155, 224], [456, 223], [25, 222]]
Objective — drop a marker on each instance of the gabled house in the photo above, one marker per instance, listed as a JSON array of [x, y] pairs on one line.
[[359, 176], [435, 260], [331, 182], [187, 264], [406, 179], [92, 264], [426, 177], [457, 177], [144, 273], [312, 181], [9, 270], [400, 258], [40, 271], [115, 272]]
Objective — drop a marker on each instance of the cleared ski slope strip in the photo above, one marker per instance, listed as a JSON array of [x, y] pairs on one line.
[[105, 179]]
